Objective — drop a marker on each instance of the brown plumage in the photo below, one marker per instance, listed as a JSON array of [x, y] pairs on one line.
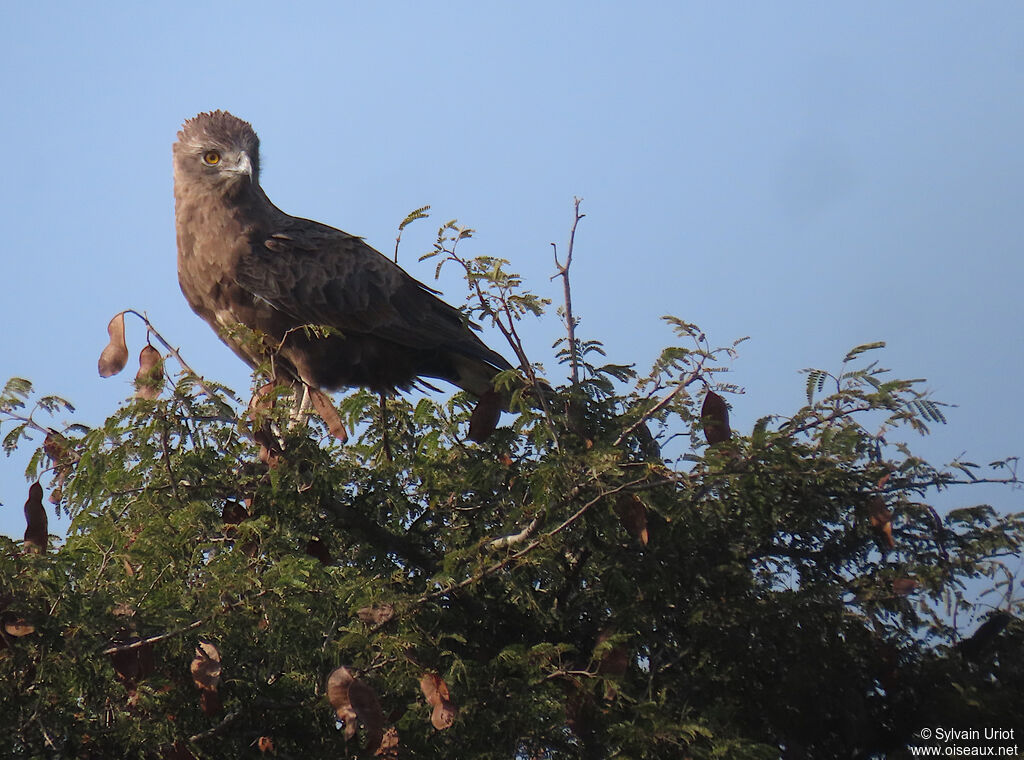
[[241, 260]]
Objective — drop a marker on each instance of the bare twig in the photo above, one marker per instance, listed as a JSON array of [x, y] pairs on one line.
[[503, 542], [28, 421], [46, 734], [107, 554], [511, 336], [571, 674], [159, 637], [515, 538], [563, 272]]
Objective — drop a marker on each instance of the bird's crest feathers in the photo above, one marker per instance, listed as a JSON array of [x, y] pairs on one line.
[[219, 127]]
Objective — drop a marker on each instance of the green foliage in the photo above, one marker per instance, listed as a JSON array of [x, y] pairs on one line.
[[594, 581]]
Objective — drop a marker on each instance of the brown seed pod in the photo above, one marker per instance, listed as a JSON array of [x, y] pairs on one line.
[[436, 691], [355, 701], [715, 415], [36, 533], [485, 416], [150, 377], [115, 355]]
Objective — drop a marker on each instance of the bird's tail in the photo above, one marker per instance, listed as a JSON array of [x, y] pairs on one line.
[[475, 375]]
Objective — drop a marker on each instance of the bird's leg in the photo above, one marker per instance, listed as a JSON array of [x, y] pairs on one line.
[[384, 427], [300, 412]]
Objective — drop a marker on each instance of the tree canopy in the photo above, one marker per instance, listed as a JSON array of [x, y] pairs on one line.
[[614, 573]]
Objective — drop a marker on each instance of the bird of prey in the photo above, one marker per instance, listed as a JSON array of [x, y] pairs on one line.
[[241, 260]]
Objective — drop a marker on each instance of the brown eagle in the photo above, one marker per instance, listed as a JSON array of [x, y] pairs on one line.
[[241, 260]]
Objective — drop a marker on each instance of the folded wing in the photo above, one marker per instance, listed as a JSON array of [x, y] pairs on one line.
[[321, 276]]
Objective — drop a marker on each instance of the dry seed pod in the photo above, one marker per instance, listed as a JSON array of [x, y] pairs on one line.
[[36, 533], [715, 415], [270, 447], [150, 377], [206, 670], [210, 702], [436, 691], [389, 745], [613, 662], [338, 683], [18, 627], [115, 355], [904, 586], [134, 664], [176, 751], [485, 416], [881, 522], [55, 446], [378, 614], [354, 701], [633, 515], [233, 513], [261, 402], [206, 667], [57, 449], [318, 549], [371, 714]]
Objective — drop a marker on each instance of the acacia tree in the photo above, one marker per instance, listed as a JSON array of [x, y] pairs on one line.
[[616, 573]]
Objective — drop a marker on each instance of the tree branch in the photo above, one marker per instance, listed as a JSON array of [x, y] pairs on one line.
[[662, 403], [563, 272], [231, 717], [380, 537], [515, 538], [179, 631], [177, 356], [491, 569], [159, 637]]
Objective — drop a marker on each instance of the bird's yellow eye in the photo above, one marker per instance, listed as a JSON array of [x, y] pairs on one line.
[[211, 158]]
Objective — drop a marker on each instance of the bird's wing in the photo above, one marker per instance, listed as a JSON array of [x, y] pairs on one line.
[[322, 276]]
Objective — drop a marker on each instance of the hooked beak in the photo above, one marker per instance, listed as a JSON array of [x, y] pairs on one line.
[[242, 166]]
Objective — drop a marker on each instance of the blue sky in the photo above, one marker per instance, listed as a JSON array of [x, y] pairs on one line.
[[813, 175]]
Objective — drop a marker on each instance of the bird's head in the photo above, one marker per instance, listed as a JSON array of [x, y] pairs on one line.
[[218, 147]]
